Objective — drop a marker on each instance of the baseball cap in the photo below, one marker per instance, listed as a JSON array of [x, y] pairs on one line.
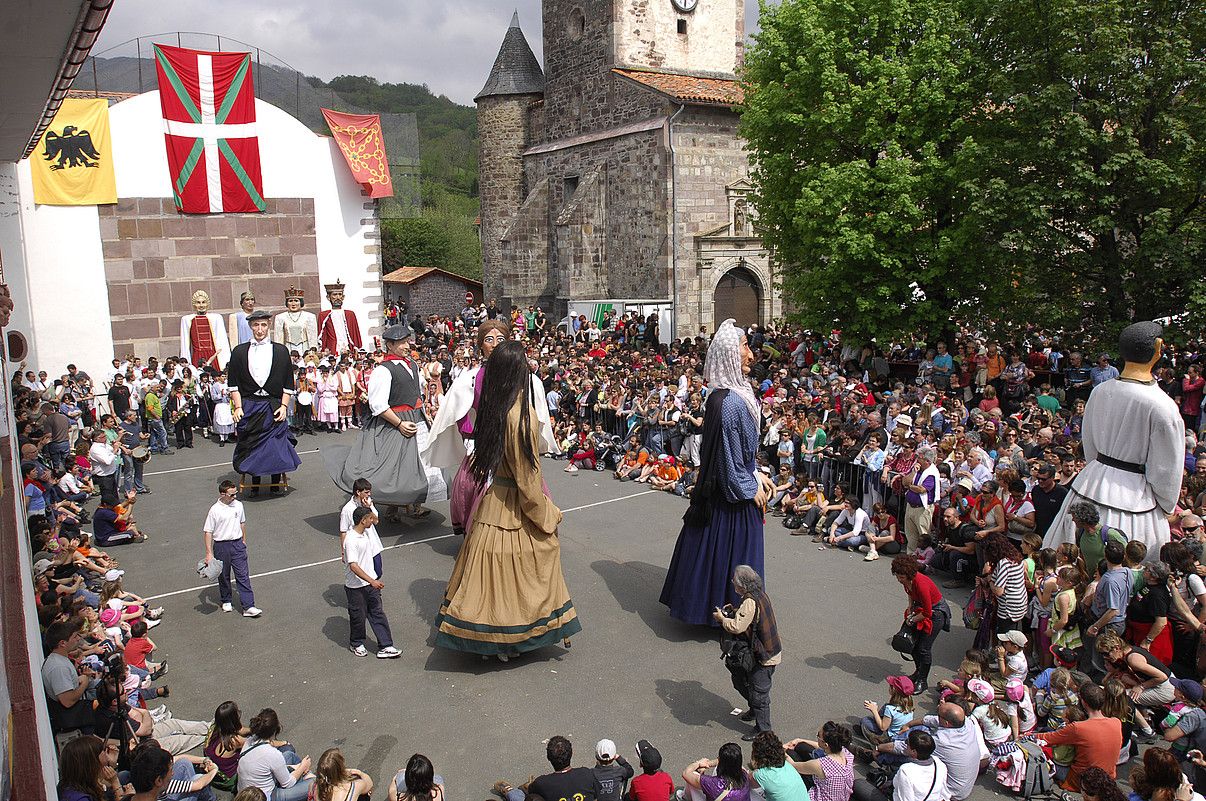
[[114, 575], [109, 617], [902, 684], [41, 566], [982, 690], [1015, 690], [1064, 657], [1016, 637], [1189, 688], [649, 757], [605, 750]]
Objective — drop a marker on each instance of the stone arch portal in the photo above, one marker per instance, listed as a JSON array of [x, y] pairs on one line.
[[738, 295]]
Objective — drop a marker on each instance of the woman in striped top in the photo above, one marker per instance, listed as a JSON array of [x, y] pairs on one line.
[[1005, 577]]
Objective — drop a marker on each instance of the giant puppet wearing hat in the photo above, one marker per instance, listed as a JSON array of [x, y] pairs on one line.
[[297, 330], [260, 375], [387, 450], [1134, 443], [338, 328]]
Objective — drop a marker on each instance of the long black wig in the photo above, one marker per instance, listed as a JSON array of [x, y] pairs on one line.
[[507, 379]]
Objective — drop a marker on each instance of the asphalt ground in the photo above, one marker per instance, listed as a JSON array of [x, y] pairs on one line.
[[633, 672]]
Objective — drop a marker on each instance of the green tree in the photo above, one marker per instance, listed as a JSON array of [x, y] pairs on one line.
[[856, 113], [1093, 161], [416, 242]]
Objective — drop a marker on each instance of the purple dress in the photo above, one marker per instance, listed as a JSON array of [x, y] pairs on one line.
[[465, 492]]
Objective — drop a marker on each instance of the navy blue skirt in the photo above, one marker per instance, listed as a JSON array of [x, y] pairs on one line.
[[701, 571]]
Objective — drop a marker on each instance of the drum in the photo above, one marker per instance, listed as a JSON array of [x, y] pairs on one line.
[[140, 453], [305, 398]]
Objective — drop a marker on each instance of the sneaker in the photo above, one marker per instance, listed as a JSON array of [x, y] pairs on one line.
[[501, 789], [227, 608], [359, 650], [864, 548], [160, 713], [871, 557], [388, 652], [151, 623], [160, 671], [157, 612], [252, 611]]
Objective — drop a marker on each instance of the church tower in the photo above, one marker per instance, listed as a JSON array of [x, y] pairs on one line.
[[515, 83]]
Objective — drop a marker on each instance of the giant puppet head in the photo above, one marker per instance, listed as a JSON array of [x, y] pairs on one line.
[[247, 301], [201, 301], [294, 299], [335, 294]]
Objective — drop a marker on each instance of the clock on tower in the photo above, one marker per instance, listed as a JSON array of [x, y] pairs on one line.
[[685, 6]]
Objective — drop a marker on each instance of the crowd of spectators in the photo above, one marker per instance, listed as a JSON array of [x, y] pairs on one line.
[[1086, 651]]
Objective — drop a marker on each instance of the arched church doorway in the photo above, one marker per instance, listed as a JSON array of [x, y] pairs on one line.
[[738, 295]]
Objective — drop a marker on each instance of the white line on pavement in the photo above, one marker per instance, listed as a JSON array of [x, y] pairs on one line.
[[387, 548], [207, 466]]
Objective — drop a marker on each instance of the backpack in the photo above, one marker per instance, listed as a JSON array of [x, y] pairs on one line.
[[792, 521], [1039, 780]]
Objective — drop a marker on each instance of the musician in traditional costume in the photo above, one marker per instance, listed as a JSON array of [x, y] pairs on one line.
[[387, 451], [261, 382], [203, 341], [338, 328], [179, 410], [223, 422], [345, 389], [294, 328], [1134, 443], [240, 330], [451, 440]]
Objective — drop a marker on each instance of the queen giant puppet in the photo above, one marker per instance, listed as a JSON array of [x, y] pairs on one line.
[[1134, 445], [451, 439]]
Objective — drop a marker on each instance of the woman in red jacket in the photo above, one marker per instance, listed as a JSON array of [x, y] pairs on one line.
[[927, 612]]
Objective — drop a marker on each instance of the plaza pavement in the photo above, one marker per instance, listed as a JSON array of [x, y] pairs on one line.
[[633, 672]]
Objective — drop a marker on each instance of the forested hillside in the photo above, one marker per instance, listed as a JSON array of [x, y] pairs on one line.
[[445, 235]]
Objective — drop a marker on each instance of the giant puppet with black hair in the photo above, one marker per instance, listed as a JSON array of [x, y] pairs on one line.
[[1134, 445]]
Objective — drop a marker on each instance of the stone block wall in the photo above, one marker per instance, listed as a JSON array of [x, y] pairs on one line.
[[437, 293], [647, 35], [523, 275], [156, 258], [503, 125]]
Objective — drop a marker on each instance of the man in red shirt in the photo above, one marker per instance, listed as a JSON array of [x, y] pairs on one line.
[[1097, 739]]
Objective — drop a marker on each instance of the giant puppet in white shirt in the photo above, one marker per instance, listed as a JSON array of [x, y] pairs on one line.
[[450, 441], [1134, 444], [203, 341]]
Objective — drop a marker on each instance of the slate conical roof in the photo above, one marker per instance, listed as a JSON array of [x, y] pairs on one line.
[[516, 70]]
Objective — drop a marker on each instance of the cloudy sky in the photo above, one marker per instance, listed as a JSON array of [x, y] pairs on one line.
[[447, 44]]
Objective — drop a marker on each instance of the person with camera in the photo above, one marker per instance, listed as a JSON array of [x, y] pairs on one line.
[[755, 650], [65, 686], [926, 615]]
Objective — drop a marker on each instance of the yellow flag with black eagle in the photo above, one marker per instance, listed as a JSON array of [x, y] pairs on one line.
[[73, 163]]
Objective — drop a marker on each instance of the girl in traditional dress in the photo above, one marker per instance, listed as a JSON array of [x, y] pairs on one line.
[[346, 392], [507, 593], [219, 393], [723, 525], [326, 400]]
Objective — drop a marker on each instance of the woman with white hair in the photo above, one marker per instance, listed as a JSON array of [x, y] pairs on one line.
[[723, 525], [752, 621]]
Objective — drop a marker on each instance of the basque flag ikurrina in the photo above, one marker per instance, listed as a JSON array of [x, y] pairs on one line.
[[213, 150]]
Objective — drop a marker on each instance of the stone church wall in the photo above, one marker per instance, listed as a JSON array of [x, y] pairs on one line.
[[648, 36], [504, 124], [155, 259]]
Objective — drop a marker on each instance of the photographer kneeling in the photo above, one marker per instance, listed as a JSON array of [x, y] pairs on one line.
[[755, 650]]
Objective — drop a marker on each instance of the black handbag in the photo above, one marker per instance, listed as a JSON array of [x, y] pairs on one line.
[[739, 656], [905, 640]]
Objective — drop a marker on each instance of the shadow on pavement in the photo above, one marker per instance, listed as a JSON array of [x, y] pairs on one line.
[[870, 669], [325, 523], [636, 587], [209, 600], [691, 704]]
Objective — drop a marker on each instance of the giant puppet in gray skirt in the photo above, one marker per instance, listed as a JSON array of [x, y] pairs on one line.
[[387, 450]]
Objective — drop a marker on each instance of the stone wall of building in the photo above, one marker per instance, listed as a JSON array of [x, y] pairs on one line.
[[503, 126], [156, 258], [525, 275], [437, 293], [633, 174], [580, 92], [580, 239], [710, 40]]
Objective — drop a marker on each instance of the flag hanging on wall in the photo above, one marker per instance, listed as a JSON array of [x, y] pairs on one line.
[[363, 147], [209, 123], [73, 164]]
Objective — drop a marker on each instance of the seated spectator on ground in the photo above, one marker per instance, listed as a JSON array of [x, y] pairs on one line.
[[155, 775], [65, 686], [653, 784], [564, 782], [1097, 739], [778, 779], [1136, 668], [1096, 785], [958, 744], [87, 771], [419, 781], [826, 762], [335, 781], [709, 779], [923, 777], [263, 765], [611, 770], [111, 526]]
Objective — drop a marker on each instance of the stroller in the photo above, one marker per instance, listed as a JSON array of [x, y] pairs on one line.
[[608, 452]]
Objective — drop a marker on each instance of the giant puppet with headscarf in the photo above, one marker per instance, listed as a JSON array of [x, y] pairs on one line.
[[722, 527]]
